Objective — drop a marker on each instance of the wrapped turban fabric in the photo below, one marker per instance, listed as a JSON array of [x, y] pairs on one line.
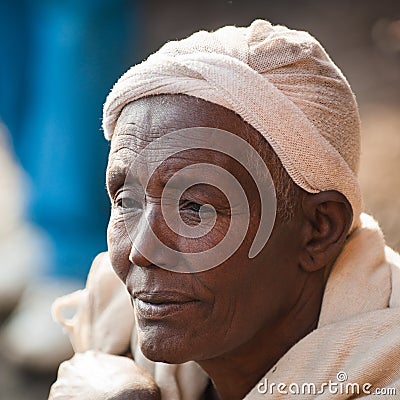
[[280, 81]]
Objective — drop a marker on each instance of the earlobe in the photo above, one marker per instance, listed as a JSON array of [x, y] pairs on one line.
[[327, 220]]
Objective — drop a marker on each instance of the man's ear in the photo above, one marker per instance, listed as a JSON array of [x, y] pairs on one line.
[[327, 220]]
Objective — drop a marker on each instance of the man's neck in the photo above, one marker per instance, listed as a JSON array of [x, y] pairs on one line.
[[236, 373]]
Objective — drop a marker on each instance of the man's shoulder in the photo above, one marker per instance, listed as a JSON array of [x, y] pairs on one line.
[[392, 258]]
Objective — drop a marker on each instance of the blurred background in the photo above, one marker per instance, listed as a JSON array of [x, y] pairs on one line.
[[58, 60]]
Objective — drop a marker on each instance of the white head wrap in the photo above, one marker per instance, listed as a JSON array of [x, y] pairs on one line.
[[280, 81]]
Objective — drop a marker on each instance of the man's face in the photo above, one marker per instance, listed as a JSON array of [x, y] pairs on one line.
[[199, 315]]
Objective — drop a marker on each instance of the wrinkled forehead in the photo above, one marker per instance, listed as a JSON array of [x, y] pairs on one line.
[[183, 130], [149, 118]]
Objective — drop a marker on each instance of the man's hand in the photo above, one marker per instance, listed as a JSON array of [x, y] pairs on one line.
[[98, 376]]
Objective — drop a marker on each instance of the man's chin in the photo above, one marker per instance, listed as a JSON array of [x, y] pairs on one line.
[[164, 348], [165, 355]]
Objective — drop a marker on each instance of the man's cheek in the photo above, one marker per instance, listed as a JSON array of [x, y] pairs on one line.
[[119, 247]]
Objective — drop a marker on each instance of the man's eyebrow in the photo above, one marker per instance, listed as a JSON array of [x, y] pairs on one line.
[[116, 176]]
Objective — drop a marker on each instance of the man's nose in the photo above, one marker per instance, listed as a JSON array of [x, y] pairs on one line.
[[153, 241]]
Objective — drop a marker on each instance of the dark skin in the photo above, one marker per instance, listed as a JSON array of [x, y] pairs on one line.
[[241, 317]]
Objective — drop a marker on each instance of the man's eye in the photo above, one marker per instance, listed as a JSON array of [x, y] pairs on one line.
[[195, 207], [128, 203]]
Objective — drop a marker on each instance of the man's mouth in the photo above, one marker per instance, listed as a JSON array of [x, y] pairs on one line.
[[158, 305]]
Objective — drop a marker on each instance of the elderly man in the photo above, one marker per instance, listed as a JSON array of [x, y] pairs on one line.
[[300, 297]]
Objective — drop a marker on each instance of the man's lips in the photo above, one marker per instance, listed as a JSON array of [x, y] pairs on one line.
[[159, 304], [158, 297]]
